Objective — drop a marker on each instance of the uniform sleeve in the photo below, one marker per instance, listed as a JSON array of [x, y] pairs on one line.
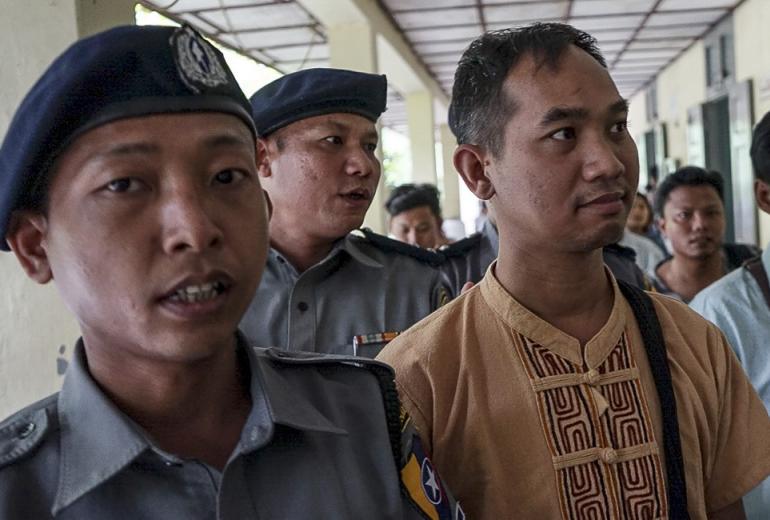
[[425, 494], [739, 457]]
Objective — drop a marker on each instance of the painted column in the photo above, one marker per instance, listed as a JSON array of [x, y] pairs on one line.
[[450, 204], [36, 331], [419, 113]]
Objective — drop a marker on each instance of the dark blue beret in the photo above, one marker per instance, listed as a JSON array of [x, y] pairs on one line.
[[124, 72], [314, 92]]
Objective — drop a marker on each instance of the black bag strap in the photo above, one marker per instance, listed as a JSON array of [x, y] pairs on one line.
[[655, 346], [757, 270]]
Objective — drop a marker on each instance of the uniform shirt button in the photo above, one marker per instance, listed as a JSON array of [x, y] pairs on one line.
[[27, 430], [302, 306]]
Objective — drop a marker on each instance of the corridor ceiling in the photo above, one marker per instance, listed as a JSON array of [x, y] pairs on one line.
[[637, 37]]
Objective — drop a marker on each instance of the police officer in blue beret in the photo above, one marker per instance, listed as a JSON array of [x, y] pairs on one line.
[[328, 287], [128, 176]]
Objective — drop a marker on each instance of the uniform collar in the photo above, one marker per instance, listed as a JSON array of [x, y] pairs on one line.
[[352, 248], [98, 440], [534, 328], [347, 244]]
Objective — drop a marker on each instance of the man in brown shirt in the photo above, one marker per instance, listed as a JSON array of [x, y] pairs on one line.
[[538, 392]]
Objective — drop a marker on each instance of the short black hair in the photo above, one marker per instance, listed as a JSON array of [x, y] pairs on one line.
[[410, 196], [760, 149], [688, 176], [479, 107]]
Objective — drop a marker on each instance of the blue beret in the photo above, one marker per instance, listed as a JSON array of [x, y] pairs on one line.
[[314, 92], [124, 72]]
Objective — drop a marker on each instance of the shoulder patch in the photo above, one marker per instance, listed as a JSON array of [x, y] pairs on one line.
[[390, 245], [421, 481], [619, 250], [461, 247], [21, 434]]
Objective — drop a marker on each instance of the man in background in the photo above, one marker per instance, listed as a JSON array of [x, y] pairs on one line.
[[690, 205], [415, 215], [328, 287], [739, 304]]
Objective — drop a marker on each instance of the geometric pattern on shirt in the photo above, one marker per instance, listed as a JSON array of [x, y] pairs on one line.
[[598, 429]]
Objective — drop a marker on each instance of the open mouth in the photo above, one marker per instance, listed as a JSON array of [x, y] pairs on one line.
[[198, 293], [357, 195]]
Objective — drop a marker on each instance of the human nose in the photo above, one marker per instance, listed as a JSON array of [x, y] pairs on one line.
[[362, 163], [699, 221], [602, 160], [411, 237], [187, 222]]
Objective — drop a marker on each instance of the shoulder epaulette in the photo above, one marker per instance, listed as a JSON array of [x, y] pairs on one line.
[[390, 245], [461, 247], [624, 251], [382, 372], [21, 433]]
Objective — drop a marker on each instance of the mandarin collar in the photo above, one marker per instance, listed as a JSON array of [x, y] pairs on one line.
[[534, 328]]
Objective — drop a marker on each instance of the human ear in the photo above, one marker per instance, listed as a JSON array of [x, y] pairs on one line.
[[264, 157], [762, 194], [662, 226], [470, 162], [26, 237]]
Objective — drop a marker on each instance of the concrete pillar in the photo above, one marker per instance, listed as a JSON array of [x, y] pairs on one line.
[[419, 114], [450, 205], [36, 330], [352, 45]]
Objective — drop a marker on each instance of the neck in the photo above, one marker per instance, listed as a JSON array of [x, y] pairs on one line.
[[193, 410], [571, 291], [300, 249], [687, 276]]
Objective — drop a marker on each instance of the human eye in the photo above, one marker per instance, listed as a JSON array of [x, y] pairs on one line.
[[229, 176], [619, 127], [333, 139], [683, 215], [123, 185], [564, 134], [370, 147]]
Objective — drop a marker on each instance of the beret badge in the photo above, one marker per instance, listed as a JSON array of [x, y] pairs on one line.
[[196, 61]]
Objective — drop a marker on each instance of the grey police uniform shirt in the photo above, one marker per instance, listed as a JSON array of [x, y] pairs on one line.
[[315, 445], [468, 260], [361, 289]]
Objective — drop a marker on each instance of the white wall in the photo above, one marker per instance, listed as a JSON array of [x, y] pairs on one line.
[[752, 61], [34, 324]]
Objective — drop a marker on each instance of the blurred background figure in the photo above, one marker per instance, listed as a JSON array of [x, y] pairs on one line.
[[739, 304], [641, 220], [638, 236], [691, 215], [415, 215]]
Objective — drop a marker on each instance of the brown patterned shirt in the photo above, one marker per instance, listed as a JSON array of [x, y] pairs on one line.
[[523, 424]]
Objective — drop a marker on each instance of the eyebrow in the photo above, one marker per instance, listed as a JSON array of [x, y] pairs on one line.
[[562, 113], [224, 140], [341, 127], [148, 148]]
